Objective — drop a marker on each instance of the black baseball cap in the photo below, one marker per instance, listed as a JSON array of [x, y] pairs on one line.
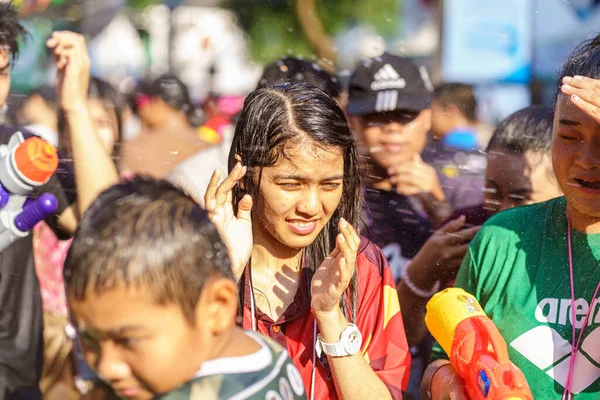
[[388, 83], [292, 69]]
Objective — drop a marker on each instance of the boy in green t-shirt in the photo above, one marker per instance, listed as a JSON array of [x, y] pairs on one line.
[[153, 300], [518, 266]]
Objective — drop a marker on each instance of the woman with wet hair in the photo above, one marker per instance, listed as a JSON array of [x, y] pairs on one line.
[[290, 212]]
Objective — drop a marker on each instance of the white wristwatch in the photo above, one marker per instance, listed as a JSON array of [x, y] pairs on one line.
[[349, 343]]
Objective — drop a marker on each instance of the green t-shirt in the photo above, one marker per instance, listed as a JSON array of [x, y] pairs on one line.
[[268, 374], [518, 268]]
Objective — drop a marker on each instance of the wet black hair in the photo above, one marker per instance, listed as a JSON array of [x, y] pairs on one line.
[[529, 129], [460, 95], [146, 232], [277, 116], [11, 29], [292, 69], [583, 61], [171, 89]]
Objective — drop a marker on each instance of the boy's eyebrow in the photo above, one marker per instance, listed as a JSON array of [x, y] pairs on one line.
[[521, 191], [569, 122], [491, 181], [126, 328]]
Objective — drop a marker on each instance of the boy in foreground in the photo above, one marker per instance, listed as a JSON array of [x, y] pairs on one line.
[[154, 303]]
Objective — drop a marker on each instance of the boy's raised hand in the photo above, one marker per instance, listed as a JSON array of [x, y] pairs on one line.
[[416, 178], [235, 230], [73, 68], [584, 93], [442, 254]]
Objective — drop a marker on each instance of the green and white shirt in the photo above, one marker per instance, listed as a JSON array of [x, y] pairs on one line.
[[518, 268], [267, 374]]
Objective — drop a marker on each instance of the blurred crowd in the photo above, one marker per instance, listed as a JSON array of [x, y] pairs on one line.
[[384, 173]]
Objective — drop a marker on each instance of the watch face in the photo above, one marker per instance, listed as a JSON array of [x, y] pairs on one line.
[[353, 342]]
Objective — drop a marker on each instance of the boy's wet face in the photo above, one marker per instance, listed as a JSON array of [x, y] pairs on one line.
[[576, 158], [514, 180], [138, 347], [393, 137]]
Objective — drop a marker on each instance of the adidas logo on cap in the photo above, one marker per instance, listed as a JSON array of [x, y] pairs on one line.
[[387, 78]]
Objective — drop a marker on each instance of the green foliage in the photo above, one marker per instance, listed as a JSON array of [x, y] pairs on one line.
[[141, 4], [274, 30]]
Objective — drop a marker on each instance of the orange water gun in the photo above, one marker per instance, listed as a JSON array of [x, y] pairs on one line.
[[477, 350]]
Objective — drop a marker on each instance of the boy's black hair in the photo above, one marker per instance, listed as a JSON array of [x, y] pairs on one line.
[[529, 129], [583, 61], [11, 29], [459, 95], [146, 232]]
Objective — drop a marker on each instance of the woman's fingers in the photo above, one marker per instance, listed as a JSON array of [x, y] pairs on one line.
[[245, 208], [349, 233], [348, 260], [227, 185], [210, 199]]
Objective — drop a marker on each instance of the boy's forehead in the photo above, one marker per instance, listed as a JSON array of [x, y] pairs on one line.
[[113, 308]]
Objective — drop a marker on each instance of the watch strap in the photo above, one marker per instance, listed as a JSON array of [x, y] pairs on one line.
[[336, 349]]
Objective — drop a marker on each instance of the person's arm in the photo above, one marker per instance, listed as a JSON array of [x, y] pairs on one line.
[[93, 167], [441, 380], [353, 376], [435, 264], [381, 370]]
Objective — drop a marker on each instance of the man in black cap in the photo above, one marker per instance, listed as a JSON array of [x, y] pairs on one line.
[[389, 100], [389, 105]]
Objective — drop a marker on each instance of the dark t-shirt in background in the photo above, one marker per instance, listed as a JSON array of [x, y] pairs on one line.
[[461, 173], [475, 216], [398, 225], [21, 323]]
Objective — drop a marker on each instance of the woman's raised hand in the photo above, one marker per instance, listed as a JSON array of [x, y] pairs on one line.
[[333, 276], [235, 230]]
